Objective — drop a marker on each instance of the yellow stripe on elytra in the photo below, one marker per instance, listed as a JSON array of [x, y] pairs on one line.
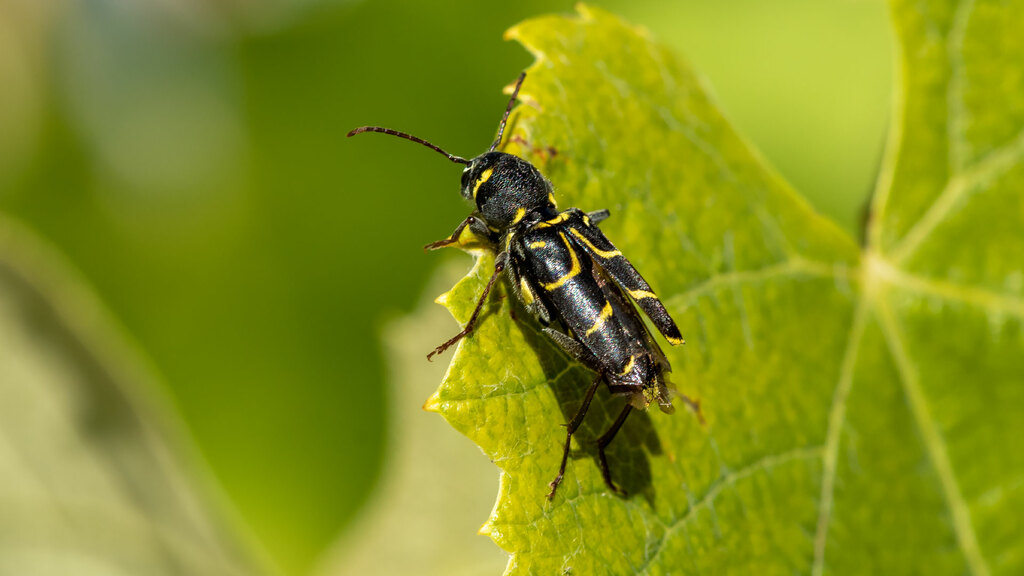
[[675, 341], [556, 220], [524, 289], [641, 294], [484, 177], [602, 253], [538, 244], [606, 313], [573, 271], [520, 214], [629, 367]]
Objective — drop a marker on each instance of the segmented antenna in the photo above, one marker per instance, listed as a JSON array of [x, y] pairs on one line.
[[452, 157], [511, 101]]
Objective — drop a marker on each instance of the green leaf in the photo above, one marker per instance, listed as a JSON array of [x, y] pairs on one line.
[[415, 523], [860, 403], [93, 476]]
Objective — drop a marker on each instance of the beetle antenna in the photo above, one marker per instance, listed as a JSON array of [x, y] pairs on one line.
[[511, 101], [452, 157]]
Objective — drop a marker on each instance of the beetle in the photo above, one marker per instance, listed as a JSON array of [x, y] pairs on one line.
[[570, 277]]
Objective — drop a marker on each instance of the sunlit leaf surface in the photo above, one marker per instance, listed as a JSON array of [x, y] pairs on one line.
[[860, 402]]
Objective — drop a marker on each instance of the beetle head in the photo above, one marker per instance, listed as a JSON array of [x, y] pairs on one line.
[[505, 188]]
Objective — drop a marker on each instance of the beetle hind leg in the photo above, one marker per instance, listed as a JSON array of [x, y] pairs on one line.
[[570, 428], [573, 349], [603, 443]]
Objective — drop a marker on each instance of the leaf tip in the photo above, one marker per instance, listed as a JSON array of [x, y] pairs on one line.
[[512, 33], [433, 404], [584, 10], [443, 299], [487, 529], [591, 13]]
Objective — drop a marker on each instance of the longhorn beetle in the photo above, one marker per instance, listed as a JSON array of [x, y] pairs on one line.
[[570, 278]]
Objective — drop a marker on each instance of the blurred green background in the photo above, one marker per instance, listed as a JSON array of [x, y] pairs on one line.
[[189, 158]]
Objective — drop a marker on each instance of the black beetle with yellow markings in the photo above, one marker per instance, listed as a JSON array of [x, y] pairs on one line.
[[570, 277]]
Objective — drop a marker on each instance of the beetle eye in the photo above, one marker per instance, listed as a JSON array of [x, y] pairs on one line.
[[465, 177]]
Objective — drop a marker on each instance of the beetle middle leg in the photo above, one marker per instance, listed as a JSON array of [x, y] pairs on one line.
[[570, 428], [499, 267]]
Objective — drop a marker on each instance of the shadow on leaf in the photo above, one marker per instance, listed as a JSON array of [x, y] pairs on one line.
[[629, 453]]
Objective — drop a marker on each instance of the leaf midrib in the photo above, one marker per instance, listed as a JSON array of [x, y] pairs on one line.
[[882, 274], [878, 279]]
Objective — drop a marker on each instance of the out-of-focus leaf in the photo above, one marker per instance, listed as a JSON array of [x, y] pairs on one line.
[[93, 478], [425, 511], [859, 404]]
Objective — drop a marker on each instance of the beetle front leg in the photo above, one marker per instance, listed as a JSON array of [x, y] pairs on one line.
[[499, 266], [476, 226]]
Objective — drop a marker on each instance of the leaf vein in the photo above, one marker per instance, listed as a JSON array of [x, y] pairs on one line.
[[982, 298], [764, 463], [933, 442], [955, 114], [837, 415], [990, 166], [785, 268]]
